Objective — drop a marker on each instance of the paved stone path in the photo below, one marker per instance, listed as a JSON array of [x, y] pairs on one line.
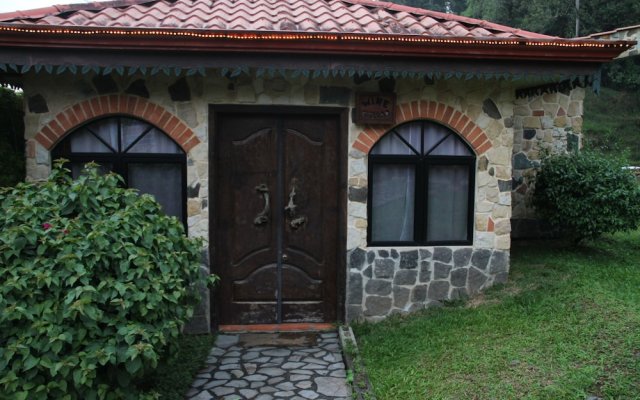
[[250, 367]]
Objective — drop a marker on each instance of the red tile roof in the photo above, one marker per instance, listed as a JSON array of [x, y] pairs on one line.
[[301, 16]]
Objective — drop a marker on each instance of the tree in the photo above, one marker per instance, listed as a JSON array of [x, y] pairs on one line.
[[506, 12], [11, 138], [450, 6], [557, 17]]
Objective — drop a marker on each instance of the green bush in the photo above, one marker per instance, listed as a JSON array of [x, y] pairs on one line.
[[586, 194], [96, 285]]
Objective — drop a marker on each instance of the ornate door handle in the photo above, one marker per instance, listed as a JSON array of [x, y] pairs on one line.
[[290, 209], [297, 222], [263, 216]]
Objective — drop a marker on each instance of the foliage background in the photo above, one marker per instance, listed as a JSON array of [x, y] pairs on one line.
[[551, 17], [11, 138]]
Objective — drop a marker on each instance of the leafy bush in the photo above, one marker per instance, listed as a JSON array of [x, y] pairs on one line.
[[584, 195], [96, 284]]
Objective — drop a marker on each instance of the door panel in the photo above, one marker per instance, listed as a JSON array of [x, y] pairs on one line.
[[246, 160], [310, 230], [277, 263]]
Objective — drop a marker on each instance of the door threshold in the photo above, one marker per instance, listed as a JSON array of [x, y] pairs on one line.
[[271, 328]]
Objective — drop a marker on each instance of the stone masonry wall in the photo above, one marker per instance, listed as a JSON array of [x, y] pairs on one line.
[[388, 281], [547, 124], [379, 281]]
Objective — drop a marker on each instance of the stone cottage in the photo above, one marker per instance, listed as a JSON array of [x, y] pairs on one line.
[[343, 159]]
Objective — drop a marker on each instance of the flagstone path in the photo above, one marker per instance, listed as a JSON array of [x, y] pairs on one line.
[[251, 367]]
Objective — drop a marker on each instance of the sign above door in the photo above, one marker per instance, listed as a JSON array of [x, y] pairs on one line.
[[375, 109]]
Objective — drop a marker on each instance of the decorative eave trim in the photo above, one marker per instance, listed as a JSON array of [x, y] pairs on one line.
[[10, 73], [576, 50]]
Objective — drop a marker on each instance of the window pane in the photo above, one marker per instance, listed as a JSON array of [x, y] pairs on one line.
[[452, 146], [155, 142], [412, 133], [107, 130], [391, 144], [448, 202], [163, 181], [84, 142], [131, 130], [433, 133], [392, 201]]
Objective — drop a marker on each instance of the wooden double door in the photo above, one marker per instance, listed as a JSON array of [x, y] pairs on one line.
[[277, 216]]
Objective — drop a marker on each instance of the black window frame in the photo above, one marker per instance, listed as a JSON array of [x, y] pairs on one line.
[[120, 159], [422, 163]]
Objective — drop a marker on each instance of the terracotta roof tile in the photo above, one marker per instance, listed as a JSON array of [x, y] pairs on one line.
[[353, 16]]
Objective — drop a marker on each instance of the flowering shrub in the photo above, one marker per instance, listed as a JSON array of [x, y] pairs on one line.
[[96, 284]]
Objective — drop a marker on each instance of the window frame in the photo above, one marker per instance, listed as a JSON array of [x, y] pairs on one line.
[[423, 163], [120, 160]]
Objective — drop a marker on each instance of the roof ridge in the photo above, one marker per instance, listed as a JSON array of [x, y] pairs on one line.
[[596, 34]]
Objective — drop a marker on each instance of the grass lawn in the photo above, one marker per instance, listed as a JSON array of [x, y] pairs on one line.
[[566, 326], [174, 376]]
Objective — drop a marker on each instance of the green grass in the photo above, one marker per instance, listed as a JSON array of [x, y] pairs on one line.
[[174, 376], [566, 326], [612, 122]]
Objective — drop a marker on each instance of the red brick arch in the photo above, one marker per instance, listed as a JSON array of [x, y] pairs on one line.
[[432, 110], [101, 106]]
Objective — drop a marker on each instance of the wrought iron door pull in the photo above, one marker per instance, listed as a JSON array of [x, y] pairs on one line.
[[263, 216], [290, 209], [297, 222]]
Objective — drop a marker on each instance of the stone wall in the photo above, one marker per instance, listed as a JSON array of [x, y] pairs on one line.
[[403, 279], [547, 124], [388, 281]]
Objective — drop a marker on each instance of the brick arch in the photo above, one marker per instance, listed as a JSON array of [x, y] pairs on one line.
[[432, 110], [102, 106]]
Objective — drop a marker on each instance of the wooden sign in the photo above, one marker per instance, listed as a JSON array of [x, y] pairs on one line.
[[375, 109]]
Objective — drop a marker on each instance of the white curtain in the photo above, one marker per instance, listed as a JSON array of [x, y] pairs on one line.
[[163, 181], [448, 202], [452, 146], [412, 133], [392, 201], [131, 130], [432, 135], [390, 144], [84, 141], [155, 142]]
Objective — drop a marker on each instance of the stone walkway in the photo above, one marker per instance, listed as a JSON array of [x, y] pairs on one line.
[[304, 366]]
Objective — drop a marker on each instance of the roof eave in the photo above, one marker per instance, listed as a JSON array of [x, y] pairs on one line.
[[555, 49]]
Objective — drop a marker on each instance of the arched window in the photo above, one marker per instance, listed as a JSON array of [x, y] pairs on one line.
[[147, 158], [421, 186]]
